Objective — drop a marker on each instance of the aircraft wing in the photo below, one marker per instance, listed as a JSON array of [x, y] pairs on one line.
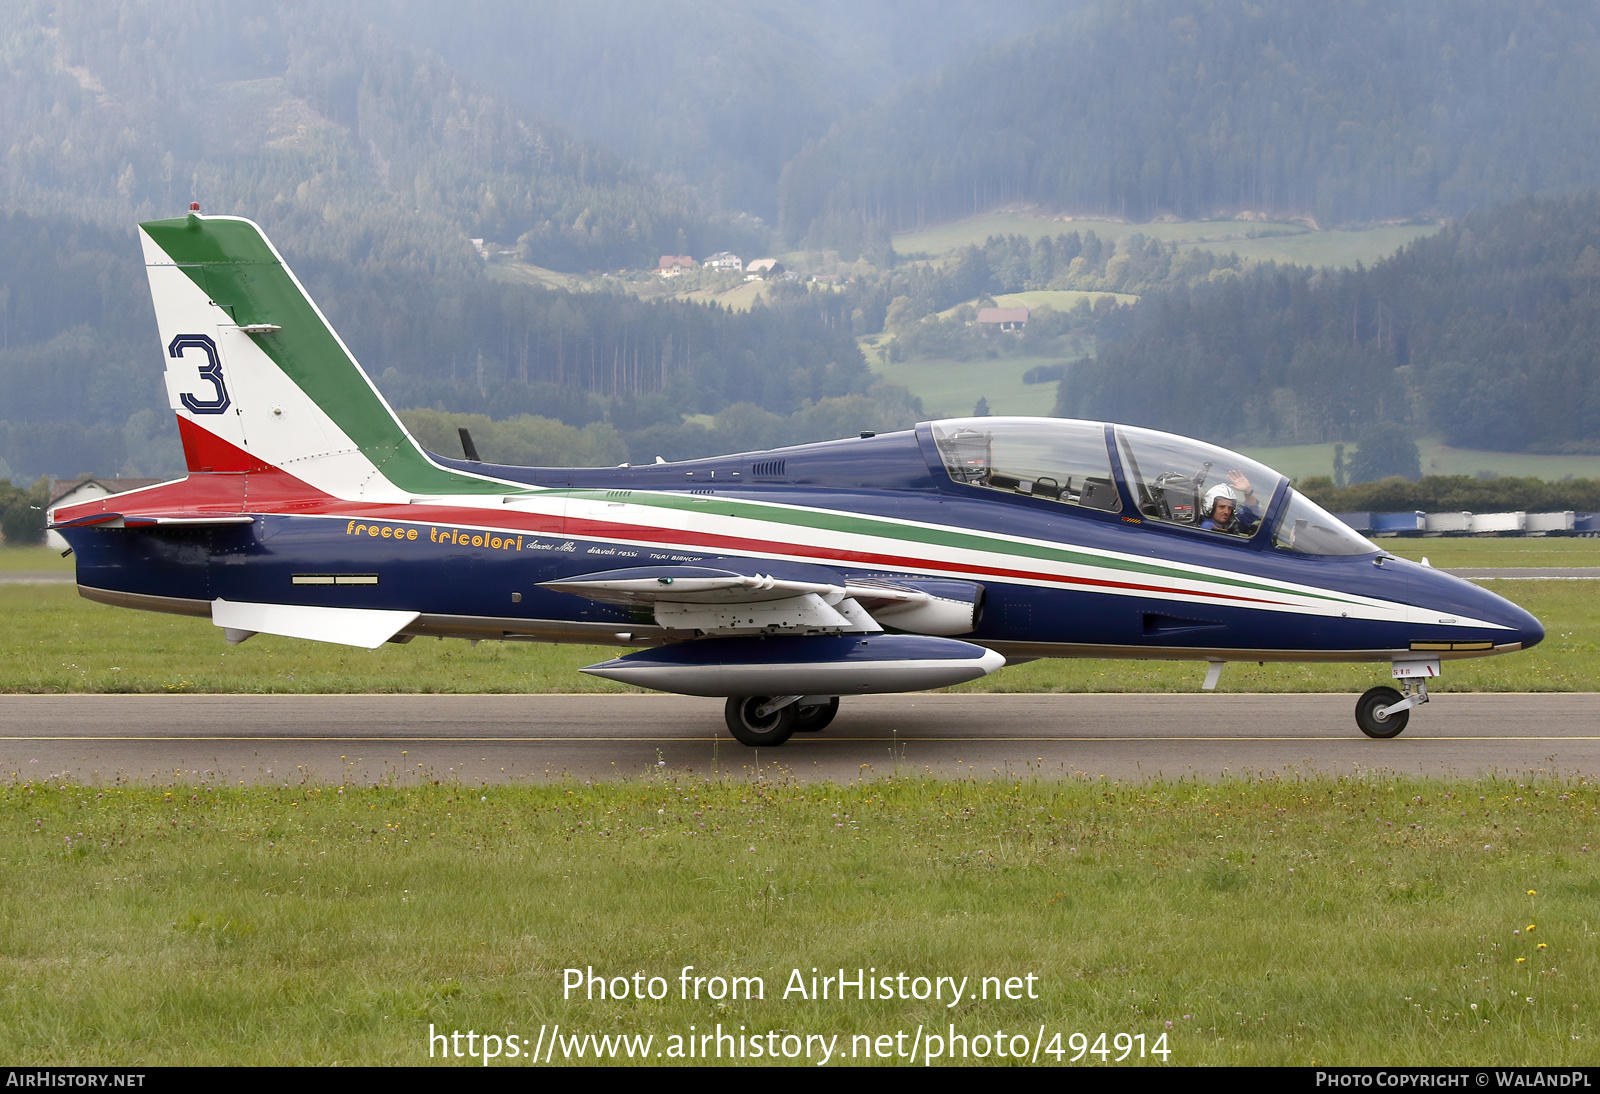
[[715, 601]]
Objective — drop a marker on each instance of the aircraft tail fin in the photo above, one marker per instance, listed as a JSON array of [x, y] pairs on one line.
[[258, 378]]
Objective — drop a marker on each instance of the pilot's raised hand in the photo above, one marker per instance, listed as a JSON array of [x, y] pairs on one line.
[[1239, 482]]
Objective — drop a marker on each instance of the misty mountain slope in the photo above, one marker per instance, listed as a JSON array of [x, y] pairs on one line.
[[1344, 111], [719, 93], [327, 130], [1483, 335]]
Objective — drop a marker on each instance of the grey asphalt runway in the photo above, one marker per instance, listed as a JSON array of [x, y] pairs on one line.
[[496, 738]]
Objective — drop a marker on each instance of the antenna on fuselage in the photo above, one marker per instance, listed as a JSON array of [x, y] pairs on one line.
[[468, 447]]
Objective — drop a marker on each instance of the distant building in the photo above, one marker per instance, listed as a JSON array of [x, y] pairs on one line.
[[724, 260], [482, 249], [76, 491], [764, 269], [1007, 319], [674, 265]]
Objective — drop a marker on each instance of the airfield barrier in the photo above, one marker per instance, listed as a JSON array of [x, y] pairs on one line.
[[1565, 523]]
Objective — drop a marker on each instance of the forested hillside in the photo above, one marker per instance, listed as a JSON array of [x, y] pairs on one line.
[[1484, 335], [374, 139], [717, 93], [80, 364], [370, 163], [1343, 111], [336, 137]]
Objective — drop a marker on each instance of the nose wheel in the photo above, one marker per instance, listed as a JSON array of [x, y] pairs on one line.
[[1372, 713], [1383, 712]]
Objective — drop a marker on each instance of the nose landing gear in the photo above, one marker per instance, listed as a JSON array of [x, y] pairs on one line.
[[1383, 712]]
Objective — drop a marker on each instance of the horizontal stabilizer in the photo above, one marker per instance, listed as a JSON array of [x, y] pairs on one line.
[[365, 627], [803, 665], [152, 520]]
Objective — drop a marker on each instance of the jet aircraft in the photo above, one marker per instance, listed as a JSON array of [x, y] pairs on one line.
[[780, 580]]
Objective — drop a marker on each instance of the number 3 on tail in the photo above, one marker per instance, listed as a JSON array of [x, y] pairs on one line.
[[211, 372]]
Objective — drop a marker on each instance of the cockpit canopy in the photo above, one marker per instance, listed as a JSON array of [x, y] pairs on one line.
[[1170, 479]]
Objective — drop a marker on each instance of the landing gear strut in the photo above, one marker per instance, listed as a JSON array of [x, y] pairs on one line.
[[1383, 712], [815, 717], [766, 721]]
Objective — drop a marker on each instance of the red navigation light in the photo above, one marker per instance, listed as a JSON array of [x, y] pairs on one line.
[[194, 207]]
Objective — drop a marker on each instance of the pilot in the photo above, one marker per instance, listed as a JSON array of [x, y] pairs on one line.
[[1222, 509]]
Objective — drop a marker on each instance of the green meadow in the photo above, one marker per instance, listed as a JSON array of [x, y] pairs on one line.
[[951, 389], [1380, 920], [1304, 460], [1260, 241]]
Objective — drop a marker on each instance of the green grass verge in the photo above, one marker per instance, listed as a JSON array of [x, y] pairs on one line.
[[53, 641], [1255, 240], [1319, 249], [503, 268], [974, 230], [739, 298], [1379, 920], [1304, 460], [33, 559], [1470, 551], [951, 389], [1057, 299]]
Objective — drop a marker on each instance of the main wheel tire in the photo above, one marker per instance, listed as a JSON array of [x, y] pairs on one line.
[[814, 718], [749, 728], [1367, 707]]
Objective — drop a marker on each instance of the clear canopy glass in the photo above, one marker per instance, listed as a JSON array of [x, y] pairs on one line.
[[1309, 529], [1183, 481], [1173, 479], [1059, 459]]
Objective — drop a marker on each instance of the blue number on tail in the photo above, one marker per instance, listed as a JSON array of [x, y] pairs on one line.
[[211, 372]]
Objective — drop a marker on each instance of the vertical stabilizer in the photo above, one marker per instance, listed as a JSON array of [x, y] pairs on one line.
[[258, 378]]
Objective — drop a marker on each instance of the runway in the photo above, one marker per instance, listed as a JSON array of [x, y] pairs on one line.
[[402, 739]]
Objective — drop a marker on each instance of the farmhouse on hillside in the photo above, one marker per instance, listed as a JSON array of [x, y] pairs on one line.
[[724, 260], [1007, 319], [764, 269], [674, 265]]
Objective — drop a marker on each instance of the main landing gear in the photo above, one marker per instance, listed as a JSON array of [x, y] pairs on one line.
[[765, 721]]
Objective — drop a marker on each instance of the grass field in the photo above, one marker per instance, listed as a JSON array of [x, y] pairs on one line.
[[1058, 299], [1257, 240], [738, 298], [1378, 920], [521, 273], [974, 230], [1319, 249], [53, 641], [1464, 551], [951, 389], [1301, 461], [33, 559]]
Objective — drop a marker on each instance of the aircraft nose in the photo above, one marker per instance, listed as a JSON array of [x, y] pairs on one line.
[[1531, 630], [1497, 609], [1480, 602]]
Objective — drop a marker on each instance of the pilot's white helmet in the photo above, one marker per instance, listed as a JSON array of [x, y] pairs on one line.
[[1220, 492]]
